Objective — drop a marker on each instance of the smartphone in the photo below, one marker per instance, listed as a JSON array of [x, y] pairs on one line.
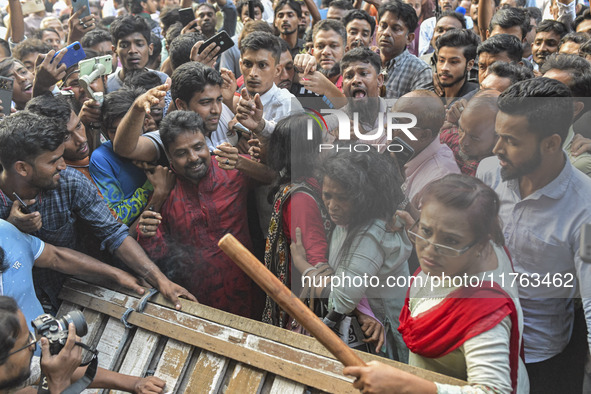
[[77, 4], [24, 207], [6, 94], [32, 6], [403, 151], [222, 40], [186, 15], [243, 131], [73, 56], [86, 67]]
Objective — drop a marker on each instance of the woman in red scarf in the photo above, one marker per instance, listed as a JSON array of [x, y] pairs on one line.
[[462, 316]]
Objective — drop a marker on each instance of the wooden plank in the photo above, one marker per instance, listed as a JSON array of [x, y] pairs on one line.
[[111, 343], [246, 379], [208, 374], [312, 369], [172, 364], [286, 386], [140, 353]]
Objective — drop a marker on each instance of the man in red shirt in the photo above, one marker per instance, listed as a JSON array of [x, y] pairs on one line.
[[205, 204]]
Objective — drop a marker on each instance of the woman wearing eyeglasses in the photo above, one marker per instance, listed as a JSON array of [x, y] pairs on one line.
[[459, 329]]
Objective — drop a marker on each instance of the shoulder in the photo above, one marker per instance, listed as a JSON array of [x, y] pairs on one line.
[[489, 171]]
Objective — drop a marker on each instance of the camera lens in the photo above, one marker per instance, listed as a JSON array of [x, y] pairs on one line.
[[76, 47], [79, 321]]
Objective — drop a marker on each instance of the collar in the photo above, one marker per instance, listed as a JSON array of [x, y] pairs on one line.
[[569, 138], [269, 95], [556, 189], [84, 163], [421, 157], [398, 59]]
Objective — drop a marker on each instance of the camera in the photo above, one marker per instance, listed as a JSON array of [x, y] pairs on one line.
[[56, 330]]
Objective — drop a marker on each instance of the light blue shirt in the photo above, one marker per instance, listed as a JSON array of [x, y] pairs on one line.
[[542, 232]]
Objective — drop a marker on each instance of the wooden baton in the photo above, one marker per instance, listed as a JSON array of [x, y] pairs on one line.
[[292, 305]]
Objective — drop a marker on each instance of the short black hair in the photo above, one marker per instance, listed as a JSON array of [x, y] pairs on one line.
[[328, 25], [364, 55], [261, 40], [502, 43], [95, 37], [362, 15], [179, 50], [293, 4], [177, 123], [6, 46], [25, 135], [459, 38], [28, 46], [145, 79], [344, 5], [157, 48], [513, 71], [403, 11], [535, 13], [10, 326], [585, 49], [577, 38], [173, 32], [191, 78], [510, 17], [168, 16], [549, 25], [129, 24], [576, 66], [586, 15], [117, 103], [134, 6], [49, 105], [39, 33], [244, 3], [6, 66], [452, 14], [546, 103]]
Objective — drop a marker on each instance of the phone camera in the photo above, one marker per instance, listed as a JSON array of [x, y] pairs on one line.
[[77, 47]]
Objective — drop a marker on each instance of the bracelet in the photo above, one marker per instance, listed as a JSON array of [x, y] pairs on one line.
[[308, 270]]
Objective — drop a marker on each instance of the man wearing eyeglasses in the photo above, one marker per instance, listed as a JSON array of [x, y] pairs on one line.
[[17, 346], [19, 368]]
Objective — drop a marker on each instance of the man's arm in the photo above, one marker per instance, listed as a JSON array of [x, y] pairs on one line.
[[106, 379], [128, 142], [16, 33], [486, 9], [132, 254], [228, 159], [71, 262], [230, 14]]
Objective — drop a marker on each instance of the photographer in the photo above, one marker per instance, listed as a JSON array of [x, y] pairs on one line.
[[17, 346], [19, 368]]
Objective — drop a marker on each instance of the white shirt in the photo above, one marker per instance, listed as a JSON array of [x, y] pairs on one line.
[[542, 233], [277, 104]]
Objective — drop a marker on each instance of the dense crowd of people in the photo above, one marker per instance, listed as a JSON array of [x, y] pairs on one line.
[[417, 172]]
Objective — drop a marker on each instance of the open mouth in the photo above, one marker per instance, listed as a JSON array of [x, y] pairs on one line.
[[28, 87], [358, 93]]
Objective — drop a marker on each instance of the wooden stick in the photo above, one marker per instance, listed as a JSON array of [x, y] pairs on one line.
[[292, 305]]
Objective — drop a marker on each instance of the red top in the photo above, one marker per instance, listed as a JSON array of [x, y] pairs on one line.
[[301, 210], [194, 218]]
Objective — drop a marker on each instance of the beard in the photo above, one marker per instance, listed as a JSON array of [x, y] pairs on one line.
[[455, 81], [44, 183], [511, 172], [18, 380], [331, 72]]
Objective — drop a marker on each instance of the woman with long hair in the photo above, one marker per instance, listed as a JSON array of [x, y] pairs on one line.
[[361, 192]]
